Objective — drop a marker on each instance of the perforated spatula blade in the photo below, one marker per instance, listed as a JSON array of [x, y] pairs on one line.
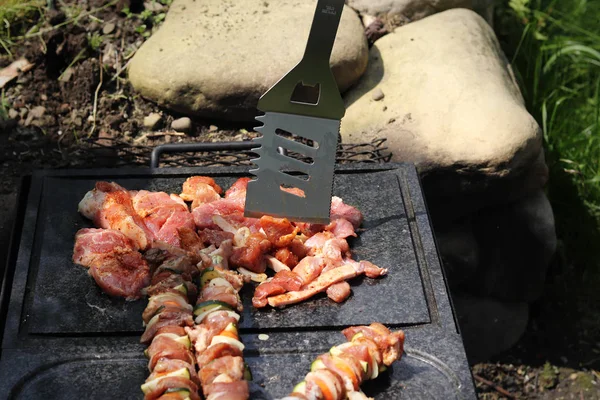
[[297, 182]]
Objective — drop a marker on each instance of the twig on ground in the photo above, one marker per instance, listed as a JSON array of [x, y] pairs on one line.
[[77, 58], [116, 76], [154, 135], [95, 109], [497, 388]]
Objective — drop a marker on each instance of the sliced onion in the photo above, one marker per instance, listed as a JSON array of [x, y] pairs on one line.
[[223, 224], [253, 275], [227, 340], [209, 249], [200, 317], [240, 236], [220, 282], [223, 378], [275, 264]]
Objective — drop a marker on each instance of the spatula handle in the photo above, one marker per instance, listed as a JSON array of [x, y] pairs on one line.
[[323, 30], [312, 70]]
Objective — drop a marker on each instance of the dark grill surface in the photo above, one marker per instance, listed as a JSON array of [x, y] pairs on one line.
[[65, 339]]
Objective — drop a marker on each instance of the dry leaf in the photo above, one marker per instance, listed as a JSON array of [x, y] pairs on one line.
[[12, 71]]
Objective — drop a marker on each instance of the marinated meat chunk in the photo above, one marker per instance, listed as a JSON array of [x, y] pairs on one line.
[[92, 243], [250, 256], [110, 206], [236, 390], [279, 231], [232, 366], [121, 274], [200, 190], [339, 292], [341, 210]]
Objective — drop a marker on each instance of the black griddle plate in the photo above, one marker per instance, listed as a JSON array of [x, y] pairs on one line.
[[65, 339]]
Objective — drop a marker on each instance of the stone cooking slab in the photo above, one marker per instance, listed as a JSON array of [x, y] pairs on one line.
[[60, 329]]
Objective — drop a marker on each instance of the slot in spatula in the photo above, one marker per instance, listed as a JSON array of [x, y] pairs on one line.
[[294, 180]]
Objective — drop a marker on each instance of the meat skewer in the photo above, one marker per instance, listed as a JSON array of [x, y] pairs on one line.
[[171, 361], [217, 346], [338, 374], [210, 344]]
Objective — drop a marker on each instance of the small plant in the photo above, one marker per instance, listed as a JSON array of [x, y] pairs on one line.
[[95, 41], [143, 30], [149, 18]]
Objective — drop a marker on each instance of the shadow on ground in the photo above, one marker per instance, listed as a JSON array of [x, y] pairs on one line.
[[564, 324]]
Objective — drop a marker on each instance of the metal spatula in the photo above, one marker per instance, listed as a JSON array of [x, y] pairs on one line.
[[306, 102]]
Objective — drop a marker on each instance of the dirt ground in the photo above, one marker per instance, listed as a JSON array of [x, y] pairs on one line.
[[77, 90]]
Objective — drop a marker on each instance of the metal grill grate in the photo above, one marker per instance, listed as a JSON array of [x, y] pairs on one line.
[[118, 153]]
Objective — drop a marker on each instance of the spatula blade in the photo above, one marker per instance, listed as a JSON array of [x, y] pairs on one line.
[[304, 168]]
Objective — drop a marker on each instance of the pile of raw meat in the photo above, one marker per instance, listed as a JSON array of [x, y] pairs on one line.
[[306, 258]]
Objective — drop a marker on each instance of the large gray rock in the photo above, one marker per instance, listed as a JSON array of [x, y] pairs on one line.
[[453, 107], [401, 12], [489, 327], [215, 58]]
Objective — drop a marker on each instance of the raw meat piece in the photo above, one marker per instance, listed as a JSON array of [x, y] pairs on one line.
[[217, 351], [233, 366], [279, 231], [339, 292], [287, 257], [110, 206], [250, 256], [200, 190], [341, 228], [203, 213], [390, 344], [146, 203], [170, 316], [166, 347], [214, 236], [173, 382], [238, 189], [166, 365], [325, 280], [341, 210], [121, 274], [309, 268], [91, 243], [163, 215], [237, 390], [226, 294]]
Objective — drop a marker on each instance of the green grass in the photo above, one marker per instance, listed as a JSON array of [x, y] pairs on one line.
[[17, 15], [554, 46], [556, 56]]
